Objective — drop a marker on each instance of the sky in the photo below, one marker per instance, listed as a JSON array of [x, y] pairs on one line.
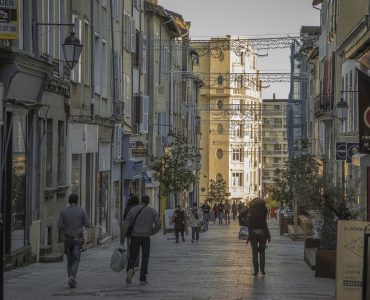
[[253, 18]]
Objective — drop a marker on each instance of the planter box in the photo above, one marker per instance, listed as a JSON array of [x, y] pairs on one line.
[[310, 248], [325, 263]]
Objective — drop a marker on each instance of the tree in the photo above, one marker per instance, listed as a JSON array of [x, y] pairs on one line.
[[217, 191], [308, 186], [173, 168]]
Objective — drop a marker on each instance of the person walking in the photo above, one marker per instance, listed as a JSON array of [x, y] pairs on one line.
[[221, 210], [259, 233], [131, 202], [215, 212], [195, 216], [234, 209], [227, 212], [144, 222], [206, 209], [179, 219], [72, 221]]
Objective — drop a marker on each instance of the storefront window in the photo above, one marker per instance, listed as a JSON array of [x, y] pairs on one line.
[[18, 191], [76, 174]]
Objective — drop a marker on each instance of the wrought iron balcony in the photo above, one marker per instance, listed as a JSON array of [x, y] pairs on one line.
[[323, 105]]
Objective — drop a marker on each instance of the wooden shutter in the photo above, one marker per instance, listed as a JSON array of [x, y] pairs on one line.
[[144, 126], [137, 108]]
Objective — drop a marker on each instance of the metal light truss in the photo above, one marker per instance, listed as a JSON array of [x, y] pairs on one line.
[[241, 80], [217, 46]]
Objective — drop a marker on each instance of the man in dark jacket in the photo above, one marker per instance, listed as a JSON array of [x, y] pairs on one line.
[[259, 233], [72, 219], [179, 218], [145, 221]]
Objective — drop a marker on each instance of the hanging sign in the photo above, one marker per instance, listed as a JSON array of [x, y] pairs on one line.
[[341, 151], [9, 19], [352, 149]]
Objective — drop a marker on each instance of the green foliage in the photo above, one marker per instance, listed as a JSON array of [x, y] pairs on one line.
[[172, 168], [217, 191]]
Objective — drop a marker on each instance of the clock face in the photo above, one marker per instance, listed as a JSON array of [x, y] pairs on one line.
[[367, 117]]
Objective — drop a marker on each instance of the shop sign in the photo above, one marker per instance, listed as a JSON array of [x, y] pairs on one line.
[[341, 151], [364, 111], [9, 19], [138, 149], [350, 259], [117, 142], [352, 149]]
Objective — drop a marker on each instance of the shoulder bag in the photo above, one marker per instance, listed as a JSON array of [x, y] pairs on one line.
[[131, 228]]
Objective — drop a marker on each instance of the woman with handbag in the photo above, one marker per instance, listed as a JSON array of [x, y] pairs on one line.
[[259, 233], [195, 218]]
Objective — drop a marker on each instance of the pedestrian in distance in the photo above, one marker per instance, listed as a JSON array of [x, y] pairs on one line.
[[215, 212], [234, 209], [195, 217], [144, 222], [206, 209], [131, 203], [259, 233], [220, 212], [72, 221], [179, 220], [227, 212]]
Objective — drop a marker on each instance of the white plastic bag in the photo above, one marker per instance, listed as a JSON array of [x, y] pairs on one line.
[[119, 259], [243, 233]]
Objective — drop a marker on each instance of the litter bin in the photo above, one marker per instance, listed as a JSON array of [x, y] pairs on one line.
[[285, 219]]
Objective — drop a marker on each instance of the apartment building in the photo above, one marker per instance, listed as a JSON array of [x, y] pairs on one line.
[[274, 140], [230, 108]]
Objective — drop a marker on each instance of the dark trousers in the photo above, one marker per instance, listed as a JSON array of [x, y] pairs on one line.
[[194, 233], [258, 241], [177, 233], [136, 243], [72, 248], [137, 262]]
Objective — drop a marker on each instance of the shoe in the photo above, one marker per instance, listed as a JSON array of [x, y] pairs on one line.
[[143, 282], [183, 240], [72, 283], [177, 242], [264, 273], [255, 273], [130, 274], [192, 241]]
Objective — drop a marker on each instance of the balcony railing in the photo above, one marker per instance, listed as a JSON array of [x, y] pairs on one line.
[[323, 104]]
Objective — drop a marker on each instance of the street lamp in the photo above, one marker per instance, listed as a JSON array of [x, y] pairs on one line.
[[341, 109], [72, 48]]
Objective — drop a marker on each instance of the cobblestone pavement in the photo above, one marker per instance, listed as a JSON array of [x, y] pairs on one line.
[[219, 267]]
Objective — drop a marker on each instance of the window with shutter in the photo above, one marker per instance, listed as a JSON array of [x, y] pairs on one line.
[[143, 55], [137, 109], [118, 11], [144, 126], [76, 71], [137, 48], [133, 36]]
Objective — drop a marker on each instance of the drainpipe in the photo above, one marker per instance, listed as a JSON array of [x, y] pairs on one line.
[[92, 70]]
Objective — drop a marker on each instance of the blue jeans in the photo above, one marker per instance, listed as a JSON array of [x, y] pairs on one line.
[[72, 248], [194, 233]]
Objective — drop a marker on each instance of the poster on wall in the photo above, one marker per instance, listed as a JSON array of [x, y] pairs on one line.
[[9, 20], [350, 253], [352, 149]]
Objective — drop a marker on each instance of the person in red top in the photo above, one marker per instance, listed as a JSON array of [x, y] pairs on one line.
[[259, 233]]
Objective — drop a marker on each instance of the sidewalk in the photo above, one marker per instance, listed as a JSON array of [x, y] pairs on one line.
[[219, 267]]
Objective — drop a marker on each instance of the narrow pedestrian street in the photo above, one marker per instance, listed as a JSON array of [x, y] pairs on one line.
[[219, 267]]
